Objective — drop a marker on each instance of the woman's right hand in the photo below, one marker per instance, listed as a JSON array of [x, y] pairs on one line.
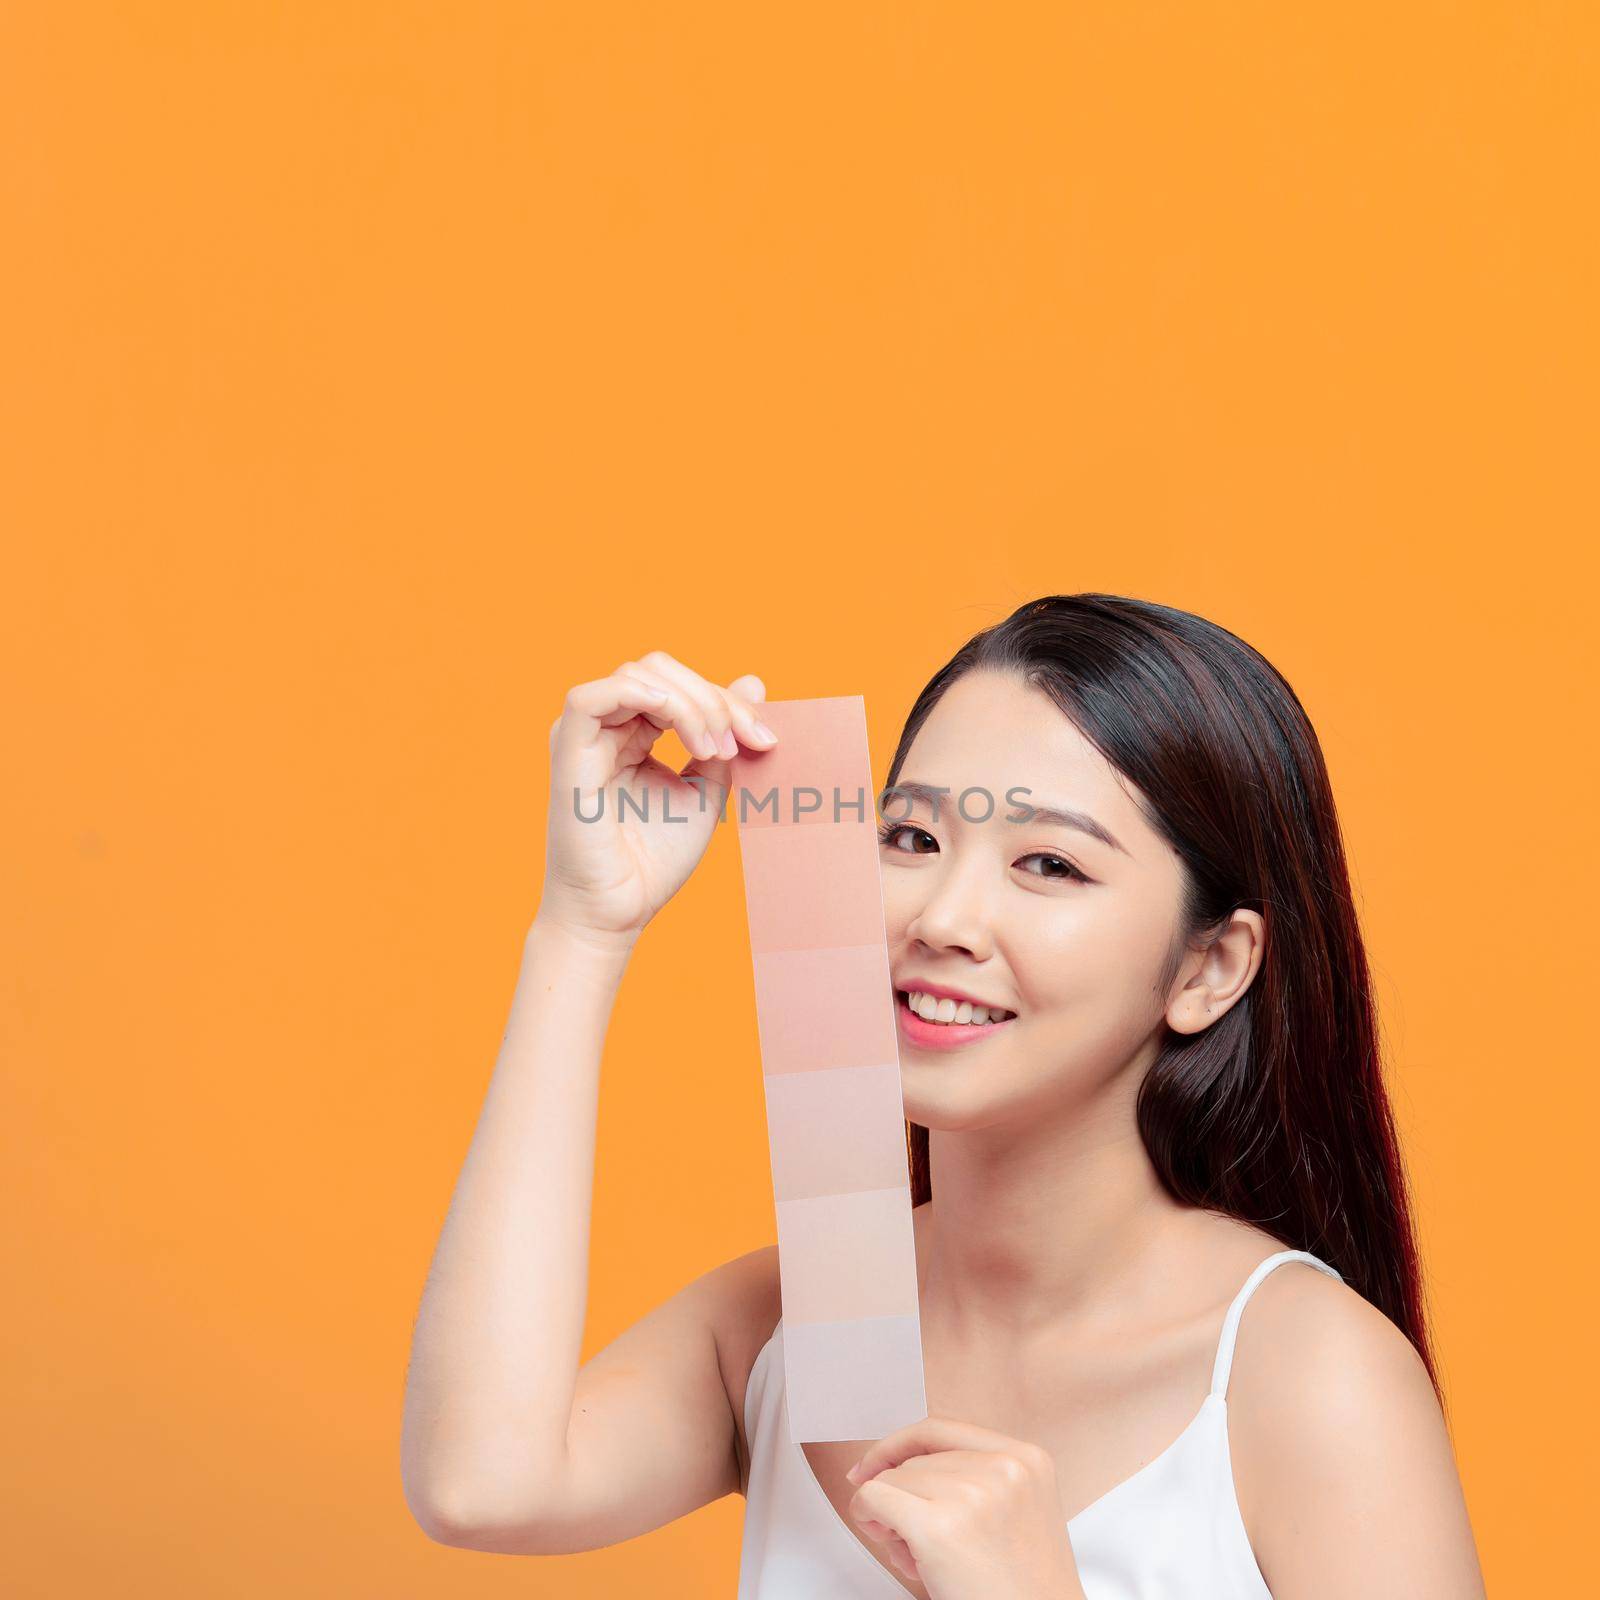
[[606, 878]]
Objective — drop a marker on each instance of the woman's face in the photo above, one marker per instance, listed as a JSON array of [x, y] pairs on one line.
[[1042, 918]]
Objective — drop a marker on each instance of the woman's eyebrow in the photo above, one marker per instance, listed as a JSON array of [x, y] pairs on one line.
[[1081, 820], [1061, 816]]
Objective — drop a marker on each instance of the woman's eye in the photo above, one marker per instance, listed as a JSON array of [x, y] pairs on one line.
[[1067, 872], [890, 832]]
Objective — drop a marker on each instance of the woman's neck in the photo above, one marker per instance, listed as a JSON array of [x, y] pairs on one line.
[[1031, 1226]]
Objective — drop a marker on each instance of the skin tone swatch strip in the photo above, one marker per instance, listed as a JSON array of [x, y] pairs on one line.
[[852, 1339]]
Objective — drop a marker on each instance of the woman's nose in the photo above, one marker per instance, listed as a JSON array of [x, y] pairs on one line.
[[955, 916]]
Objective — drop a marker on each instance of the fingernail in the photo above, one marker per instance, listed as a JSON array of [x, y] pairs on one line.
[[705, 746], [851, 1474], [766, 732], [730, 745]]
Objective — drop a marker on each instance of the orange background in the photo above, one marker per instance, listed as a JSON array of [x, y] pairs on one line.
[[372, 373]]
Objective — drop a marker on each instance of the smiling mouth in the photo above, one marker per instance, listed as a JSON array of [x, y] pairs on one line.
[[932, 1011]]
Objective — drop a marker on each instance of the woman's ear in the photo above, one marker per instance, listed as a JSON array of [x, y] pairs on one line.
[[1228, 965]]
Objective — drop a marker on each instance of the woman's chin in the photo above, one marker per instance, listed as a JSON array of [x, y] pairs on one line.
[[938, 1113]]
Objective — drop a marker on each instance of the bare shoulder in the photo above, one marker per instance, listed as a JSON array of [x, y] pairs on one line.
[[1342, 1462], [1310, 1342], [744, 1304]]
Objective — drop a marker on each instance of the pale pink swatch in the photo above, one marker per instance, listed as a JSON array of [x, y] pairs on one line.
[[825, 1008], [847, 1255], [812, 887], [859, 1379], [832, 1131]]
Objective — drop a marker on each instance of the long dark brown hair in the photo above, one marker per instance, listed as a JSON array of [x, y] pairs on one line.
[[1276, 1114]]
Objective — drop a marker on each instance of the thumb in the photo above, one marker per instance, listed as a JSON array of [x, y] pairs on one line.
[[713, 780]]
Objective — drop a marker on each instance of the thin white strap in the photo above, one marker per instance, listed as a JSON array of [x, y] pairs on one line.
[[1230, 1324]]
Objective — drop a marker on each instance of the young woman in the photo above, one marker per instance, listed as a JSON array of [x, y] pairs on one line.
[[1179, 1112]]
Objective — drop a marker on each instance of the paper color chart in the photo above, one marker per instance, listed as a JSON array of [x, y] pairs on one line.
[[852, 1336]]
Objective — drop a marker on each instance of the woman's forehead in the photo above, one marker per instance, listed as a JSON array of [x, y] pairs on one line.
[[1000, 727], [997, 734]]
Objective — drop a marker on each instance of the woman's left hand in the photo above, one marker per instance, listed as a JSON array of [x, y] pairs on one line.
[[969, 1513]]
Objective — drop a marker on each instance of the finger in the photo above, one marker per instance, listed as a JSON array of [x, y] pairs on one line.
[[894, 1547], [746, 695], [708, 701], [711, 777], [688, 719], [696, 737], [679, 711], [908, 1516], [919, 1438], [713, 767], [899, 1552], [605, 702], [732, 717], [728, 716]]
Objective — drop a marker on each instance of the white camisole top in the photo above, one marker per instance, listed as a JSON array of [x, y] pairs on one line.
[[1172, 1531]]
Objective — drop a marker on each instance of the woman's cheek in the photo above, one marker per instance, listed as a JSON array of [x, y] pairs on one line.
[[1097, 1028]]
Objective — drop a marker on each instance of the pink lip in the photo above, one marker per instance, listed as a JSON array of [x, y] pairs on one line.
[[942, 1035], [942, 991]]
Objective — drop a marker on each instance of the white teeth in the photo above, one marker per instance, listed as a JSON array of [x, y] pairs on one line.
[[940, 1009]]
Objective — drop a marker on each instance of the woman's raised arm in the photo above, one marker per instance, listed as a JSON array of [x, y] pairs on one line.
[[494, 1360]]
